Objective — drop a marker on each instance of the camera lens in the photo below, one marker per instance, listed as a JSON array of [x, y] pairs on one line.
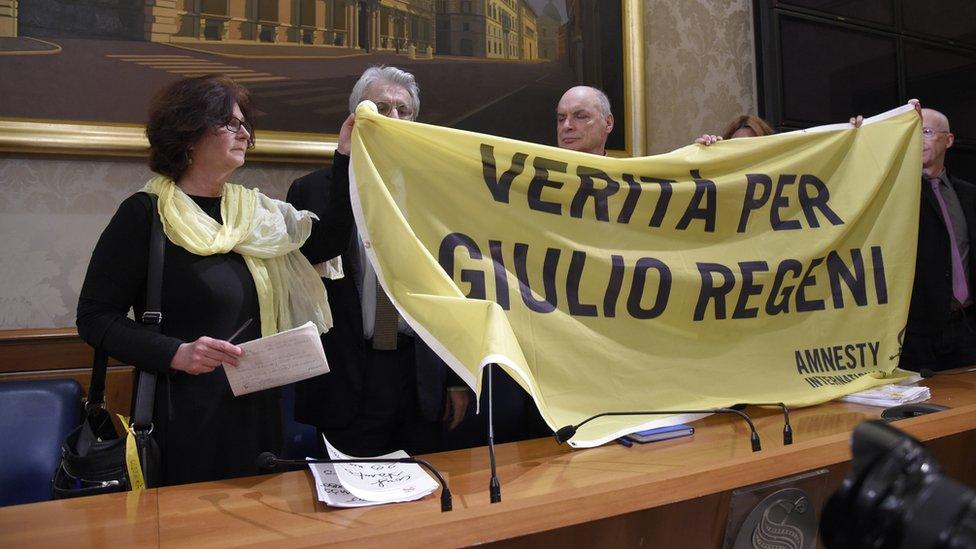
[[897, 497]]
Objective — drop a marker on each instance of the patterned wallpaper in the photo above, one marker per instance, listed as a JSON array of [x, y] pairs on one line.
[[52, 211], [700, 71], [699, 74]]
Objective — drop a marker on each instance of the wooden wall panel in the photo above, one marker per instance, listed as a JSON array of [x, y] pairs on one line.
[[44, 349], [60, 353]]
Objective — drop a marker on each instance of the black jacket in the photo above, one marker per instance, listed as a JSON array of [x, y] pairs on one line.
[[332, 400], [932, 290]]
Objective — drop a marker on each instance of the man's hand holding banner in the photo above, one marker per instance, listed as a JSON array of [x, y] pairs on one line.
[[767, 269]]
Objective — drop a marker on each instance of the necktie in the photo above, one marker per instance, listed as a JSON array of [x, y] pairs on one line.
[[385, 324], [960, 289]]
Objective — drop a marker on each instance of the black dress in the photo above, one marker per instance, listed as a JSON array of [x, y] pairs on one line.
[[203, 430]]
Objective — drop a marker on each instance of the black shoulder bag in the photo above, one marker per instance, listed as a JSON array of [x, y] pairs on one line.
[[93, 459]]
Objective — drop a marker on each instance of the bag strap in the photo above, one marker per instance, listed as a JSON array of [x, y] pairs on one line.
[[96, 389], [152, 317]]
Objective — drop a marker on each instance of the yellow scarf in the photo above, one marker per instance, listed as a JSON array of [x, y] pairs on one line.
[[267, 233]]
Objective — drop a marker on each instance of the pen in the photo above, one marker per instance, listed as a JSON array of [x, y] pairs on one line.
[[624, 441], [239, 330]]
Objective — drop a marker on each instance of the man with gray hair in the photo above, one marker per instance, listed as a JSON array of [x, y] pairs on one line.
[[941, 330], [386, 390], [584, 120]]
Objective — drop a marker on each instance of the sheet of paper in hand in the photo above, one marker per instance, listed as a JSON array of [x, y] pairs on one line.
[[382, 482], [280, 359]]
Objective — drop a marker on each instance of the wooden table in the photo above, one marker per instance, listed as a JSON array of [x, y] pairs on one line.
[[672, 493]]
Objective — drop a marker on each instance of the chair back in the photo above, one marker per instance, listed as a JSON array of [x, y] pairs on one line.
[[35, 416]]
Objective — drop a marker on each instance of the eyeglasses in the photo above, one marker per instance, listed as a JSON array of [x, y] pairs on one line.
[[930, 133], [235, 124], [384, 108]]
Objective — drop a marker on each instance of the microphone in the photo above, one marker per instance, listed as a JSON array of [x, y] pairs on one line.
[[927, 372], [268, 461], [567, 432]]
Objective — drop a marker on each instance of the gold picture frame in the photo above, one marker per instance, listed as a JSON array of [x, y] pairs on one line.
[[57, 137]]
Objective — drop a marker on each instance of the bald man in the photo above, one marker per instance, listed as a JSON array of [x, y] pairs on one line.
[[941, 330], [584, 120]]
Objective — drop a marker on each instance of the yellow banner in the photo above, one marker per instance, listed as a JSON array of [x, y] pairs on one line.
[[755, 270]]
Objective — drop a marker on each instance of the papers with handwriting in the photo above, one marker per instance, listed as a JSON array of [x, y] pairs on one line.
[[279, 359], [361, 484]]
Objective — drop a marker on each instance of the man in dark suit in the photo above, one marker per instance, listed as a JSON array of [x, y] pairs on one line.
[[387, 390], [941, 330]]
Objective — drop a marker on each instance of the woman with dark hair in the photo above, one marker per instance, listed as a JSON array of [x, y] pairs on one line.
[[232, 259], [746, 125]]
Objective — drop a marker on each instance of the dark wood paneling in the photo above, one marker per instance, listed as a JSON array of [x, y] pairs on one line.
[[43, 349], [58, 354]]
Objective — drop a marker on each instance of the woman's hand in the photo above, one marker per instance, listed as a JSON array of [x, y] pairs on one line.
[[708, 139], [204, 355], [345, 135]]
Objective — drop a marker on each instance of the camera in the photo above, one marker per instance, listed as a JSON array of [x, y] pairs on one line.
[[896, 496]]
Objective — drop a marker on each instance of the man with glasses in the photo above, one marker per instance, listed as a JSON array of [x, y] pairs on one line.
[[941, 330], [386, 390]]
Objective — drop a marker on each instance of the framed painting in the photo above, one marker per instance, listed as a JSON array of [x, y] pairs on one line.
[[78, 79]]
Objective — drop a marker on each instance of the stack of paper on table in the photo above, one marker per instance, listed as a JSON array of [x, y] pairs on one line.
[[362, 484], [889, 395]]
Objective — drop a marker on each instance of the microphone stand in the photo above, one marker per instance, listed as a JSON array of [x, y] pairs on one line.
[[494, 487], [267, 461], [567, 432]]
